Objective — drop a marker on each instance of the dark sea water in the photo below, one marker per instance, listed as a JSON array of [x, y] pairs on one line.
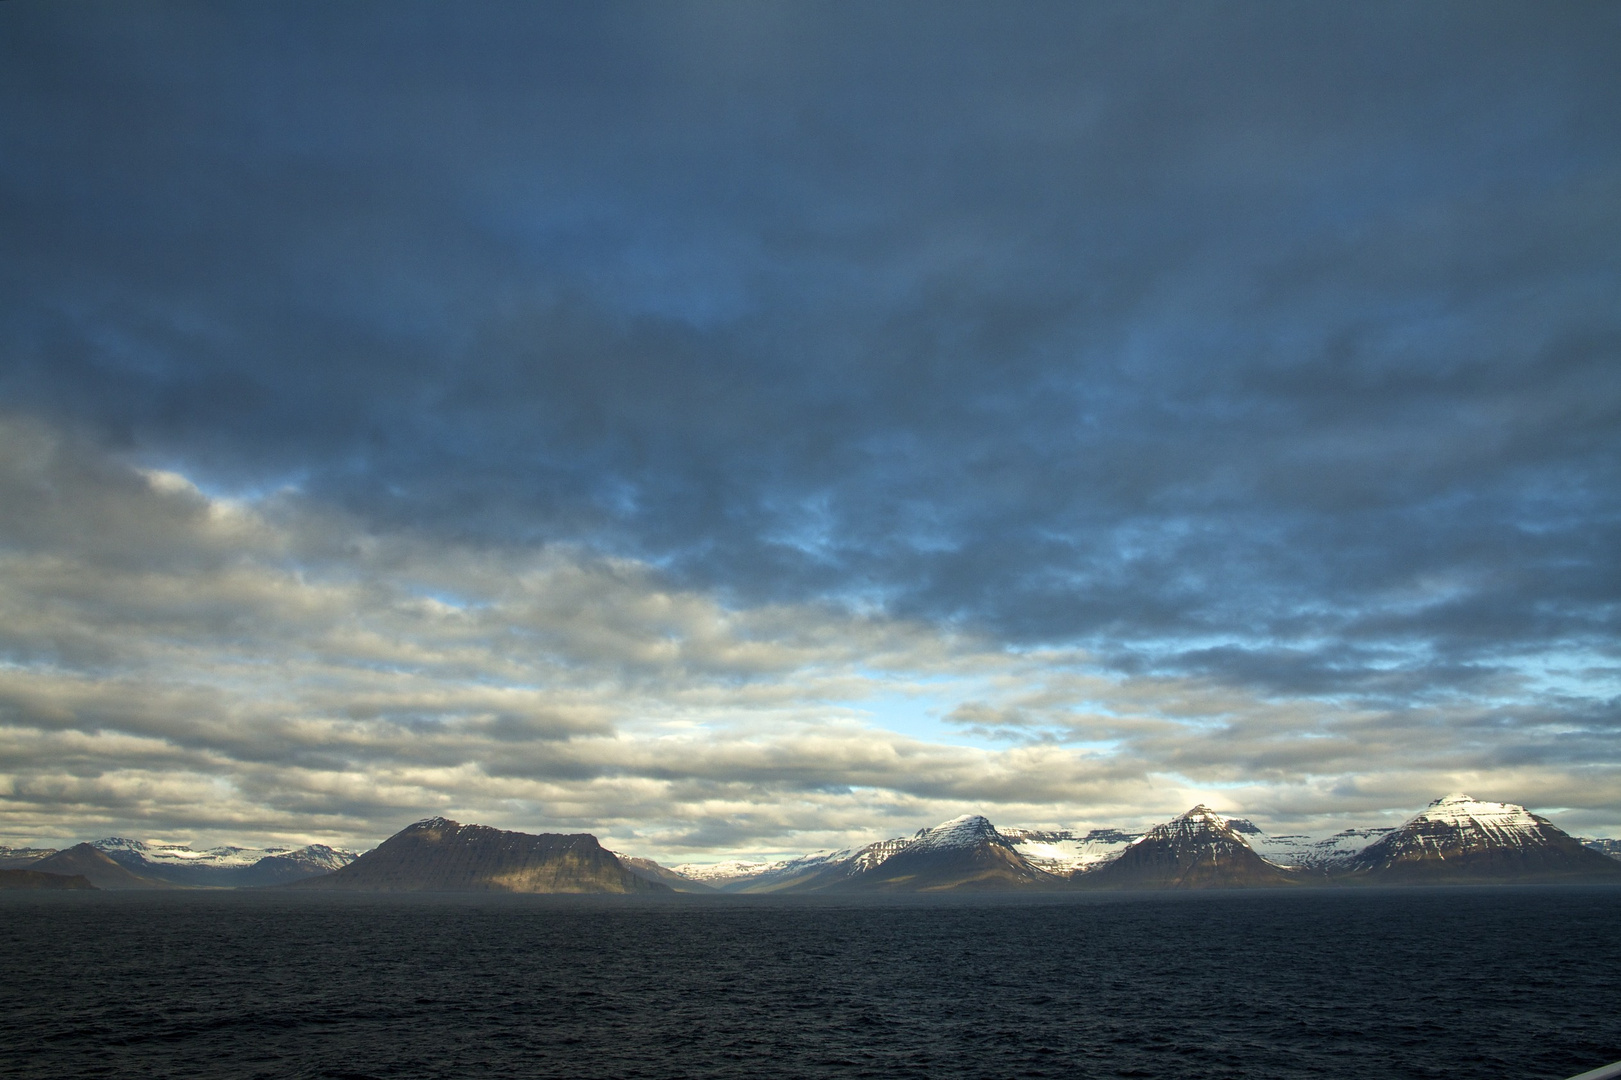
[[1465, 984]]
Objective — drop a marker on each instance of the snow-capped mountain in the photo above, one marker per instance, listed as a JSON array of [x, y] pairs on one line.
[[652, 871], [13, 858], [222, 867], [1064, 852], [1300, 852], [756, 877], [1612, 848], [720, 875], [1459, 839], [183, 855], [98, 868], [1199, 850], [963, 854], [819, 869]]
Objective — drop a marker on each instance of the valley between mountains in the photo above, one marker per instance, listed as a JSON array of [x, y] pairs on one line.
[[1456, 840]]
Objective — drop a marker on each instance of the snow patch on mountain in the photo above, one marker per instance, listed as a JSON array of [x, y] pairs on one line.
[[1300, 851], [1064, 851], [735, 872], [1502, 823], [226, 857], [967, 831], [1604, 846]]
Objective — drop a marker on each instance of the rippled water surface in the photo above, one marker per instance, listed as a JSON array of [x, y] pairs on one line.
[[1464, 984]]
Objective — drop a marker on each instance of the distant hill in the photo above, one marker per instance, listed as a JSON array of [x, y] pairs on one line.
[[438, 855], [652, 871], [1460, 840], [34, 879], [965, 854], [22, 858], [305, 862], [95, 866], [1198, 850], [1604, 846]]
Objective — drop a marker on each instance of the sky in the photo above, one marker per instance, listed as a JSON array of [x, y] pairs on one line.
[[736, 429]]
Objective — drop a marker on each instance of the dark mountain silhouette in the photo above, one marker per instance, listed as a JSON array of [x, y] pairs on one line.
[[437, 855], [94, 865], [34, 879]]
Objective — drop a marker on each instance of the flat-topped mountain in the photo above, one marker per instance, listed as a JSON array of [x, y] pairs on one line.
[[437, 855], [93, 864], [1199, 850], [1457, 840]]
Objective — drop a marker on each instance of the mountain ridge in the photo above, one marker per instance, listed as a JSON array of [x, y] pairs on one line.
[[1454, 840]]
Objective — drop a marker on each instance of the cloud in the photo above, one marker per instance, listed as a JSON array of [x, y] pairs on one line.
[[552, 375], [178, 662]]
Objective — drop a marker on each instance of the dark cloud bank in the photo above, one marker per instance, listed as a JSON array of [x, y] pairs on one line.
[[1270, 346]]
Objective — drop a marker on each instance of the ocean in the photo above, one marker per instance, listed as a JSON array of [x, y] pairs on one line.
[[1466, 984]]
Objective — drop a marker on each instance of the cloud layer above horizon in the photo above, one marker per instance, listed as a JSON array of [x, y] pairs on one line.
[[760, 427]]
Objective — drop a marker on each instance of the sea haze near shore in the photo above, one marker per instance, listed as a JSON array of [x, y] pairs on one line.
[[1480, 983]]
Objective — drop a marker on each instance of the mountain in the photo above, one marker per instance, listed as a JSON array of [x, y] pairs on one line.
[[961, 855], [1612, 848], [33, 879], [1298, 852], [1460, 840], [222, 867], [1063, 852], [762, 877], [95, 866], [1199, 850], [14, 858], [652, 871], [437, 855], [283, 868]]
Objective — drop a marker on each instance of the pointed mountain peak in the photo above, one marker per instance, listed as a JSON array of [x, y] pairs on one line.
[[968, 830], [1461, 839], [435, 823], [1198, 849]]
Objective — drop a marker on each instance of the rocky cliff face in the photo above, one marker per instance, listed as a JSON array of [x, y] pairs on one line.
[[1198, 850], [1459, 840], [445, 856]]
